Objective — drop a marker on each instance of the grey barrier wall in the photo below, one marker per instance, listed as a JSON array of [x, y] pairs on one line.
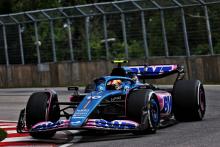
[[204, 68]]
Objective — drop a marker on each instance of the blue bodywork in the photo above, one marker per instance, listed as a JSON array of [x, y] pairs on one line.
[[93, 99]]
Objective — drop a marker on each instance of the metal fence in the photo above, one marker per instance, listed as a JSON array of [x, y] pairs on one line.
[[123, 29]]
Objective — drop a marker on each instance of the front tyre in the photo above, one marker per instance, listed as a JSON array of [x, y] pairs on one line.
[[143, 107], [189, 102], [41, 107]]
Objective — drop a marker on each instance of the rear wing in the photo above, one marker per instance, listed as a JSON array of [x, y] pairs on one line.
[[156, 71]]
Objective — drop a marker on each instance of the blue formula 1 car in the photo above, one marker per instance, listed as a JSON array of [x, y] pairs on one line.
[[118, 102]]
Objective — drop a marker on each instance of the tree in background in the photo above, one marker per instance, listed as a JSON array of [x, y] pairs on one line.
[[5, 6], [11, 6], [195, 21]]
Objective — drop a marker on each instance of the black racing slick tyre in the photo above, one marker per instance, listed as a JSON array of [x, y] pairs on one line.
[[41, 107], [189, 102], [143, 107]]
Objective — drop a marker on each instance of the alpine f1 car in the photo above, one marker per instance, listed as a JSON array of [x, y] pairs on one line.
[[118, 102]]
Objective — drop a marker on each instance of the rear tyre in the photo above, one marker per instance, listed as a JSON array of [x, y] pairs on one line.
[[40, 108], [189, 102], [143, 107]]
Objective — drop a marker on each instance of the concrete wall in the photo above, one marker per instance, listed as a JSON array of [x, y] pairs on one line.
[[204, 68]]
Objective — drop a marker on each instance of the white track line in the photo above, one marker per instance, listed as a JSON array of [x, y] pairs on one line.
[[11, 131], [66, 145], [212, 85], [30, 139], [5, 127], [7, 124], [9, 121], [4, 124], [17, 139]]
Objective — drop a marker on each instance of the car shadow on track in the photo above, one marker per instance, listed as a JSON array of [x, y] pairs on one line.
[[88, 136], [80, 137], [93, 136]]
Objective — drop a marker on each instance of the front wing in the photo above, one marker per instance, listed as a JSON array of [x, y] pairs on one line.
[[90, 124]]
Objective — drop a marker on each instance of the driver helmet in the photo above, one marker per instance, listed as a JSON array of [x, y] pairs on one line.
[[133, 76], [115, 84]]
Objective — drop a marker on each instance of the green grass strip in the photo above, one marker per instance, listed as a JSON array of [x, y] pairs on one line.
[[3, 134]]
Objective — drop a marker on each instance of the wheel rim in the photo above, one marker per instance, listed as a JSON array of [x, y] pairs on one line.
[[201, 100], [154, 112]]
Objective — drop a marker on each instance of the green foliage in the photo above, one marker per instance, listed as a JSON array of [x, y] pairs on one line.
[[174, 33], [61, 39], [27, 5], [5, 6], [155, 34], [9, 6], [96, 46], [3, 134], [117, 50], [96, 37], [201, 49], [196, 30], [136, 49], [217, 47]]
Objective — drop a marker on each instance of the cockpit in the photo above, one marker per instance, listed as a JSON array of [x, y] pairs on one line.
[[113, 84]]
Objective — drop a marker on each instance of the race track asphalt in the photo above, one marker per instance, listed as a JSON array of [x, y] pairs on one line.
[[188, 134]]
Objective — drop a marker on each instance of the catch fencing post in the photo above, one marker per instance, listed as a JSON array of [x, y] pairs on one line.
[[87, 24], [69, 34], [52, 35], [106, 37], [88, 38], [207, 26], [21, 44], [5, 43], [146, 49], [20, 38], [36, 37], [186, 41], [144, 30], [8, 71], [104, 30], [163, 27], [123, 29], [70, 39]]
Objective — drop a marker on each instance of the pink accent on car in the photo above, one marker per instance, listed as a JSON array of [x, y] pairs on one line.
[[165, 101], [71, 98]]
